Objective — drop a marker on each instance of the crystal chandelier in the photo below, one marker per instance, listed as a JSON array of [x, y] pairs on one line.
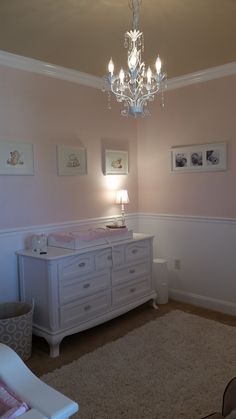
[[135, 86]]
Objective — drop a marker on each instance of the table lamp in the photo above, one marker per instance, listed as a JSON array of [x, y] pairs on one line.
[[122, 198]]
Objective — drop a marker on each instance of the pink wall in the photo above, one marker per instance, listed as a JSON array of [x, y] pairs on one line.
[[202, 113], [46, 112]]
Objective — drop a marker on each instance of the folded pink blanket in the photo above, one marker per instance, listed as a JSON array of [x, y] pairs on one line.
[[10, 405]]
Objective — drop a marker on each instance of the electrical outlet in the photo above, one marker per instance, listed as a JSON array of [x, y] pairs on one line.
[[177, 263]]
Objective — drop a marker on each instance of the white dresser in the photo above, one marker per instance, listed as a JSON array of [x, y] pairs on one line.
[[74, 290]]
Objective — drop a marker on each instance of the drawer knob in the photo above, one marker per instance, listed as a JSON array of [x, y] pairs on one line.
[[132, 289], [86, 285], [134, 251], [87, 307], [81, 264], [132, 271]]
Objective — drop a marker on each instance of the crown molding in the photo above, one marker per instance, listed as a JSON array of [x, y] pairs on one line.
[[39, 67], [202, 76]]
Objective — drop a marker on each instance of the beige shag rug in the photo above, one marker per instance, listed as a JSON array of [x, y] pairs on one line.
[[174, 367]]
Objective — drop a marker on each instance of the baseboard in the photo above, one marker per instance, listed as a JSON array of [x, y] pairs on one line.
[[203, 301]]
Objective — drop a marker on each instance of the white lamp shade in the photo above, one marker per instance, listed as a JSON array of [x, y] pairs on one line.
[[122, 197]]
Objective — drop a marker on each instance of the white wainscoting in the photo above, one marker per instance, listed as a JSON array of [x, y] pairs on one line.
[[205, 247], [12, 240]]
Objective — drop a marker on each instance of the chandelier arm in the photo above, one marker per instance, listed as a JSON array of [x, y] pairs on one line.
[[116, 89], [123, 97], [146, 98], [155, 89], [137, 100], [135, 92], [130, 85]]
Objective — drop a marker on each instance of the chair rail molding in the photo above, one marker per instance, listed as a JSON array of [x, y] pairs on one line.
[[192, 218], [131, 218]]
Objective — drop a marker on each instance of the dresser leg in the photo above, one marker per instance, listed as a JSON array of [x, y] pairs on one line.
[[154, 303], [54, 348]]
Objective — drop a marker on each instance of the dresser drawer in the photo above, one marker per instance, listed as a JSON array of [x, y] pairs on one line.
[[118, 255], [71, 289], [131, 252], [84, 309], [130, 272], [137, 251], [128, 293], [103, 259], [77, 265]]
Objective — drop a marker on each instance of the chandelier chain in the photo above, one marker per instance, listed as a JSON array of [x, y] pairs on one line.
[[134, 6]]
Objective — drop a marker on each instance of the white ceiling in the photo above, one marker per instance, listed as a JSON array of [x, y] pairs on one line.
[[189, 35]]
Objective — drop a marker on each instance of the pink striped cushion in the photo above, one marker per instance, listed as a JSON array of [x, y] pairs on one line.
[[10, 405]]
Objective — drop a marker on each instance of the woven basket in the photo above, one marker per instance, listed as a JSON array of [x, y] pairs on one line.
[[16, 327]]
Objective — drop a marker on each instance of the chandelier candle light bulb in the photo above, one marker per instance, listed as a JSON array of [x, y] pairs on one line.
[[135, 87], [158, 65], [149, 76], [111, 67], [122, 76]]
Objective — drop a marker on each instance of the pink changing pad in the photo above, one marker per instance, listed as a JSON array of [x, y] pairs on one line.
[[10, 405], [88, 235], [78, 238]]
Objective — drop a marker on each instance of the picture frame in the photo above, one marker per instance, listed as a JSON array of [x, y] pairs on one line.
[[199, 158], [116, 162], [16, 158], [71, 161]]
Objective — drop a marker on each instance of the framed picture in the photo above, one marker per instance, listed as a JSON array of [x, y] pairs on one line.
[[116, 162], [195, 158], [72, 161], [16, 158]]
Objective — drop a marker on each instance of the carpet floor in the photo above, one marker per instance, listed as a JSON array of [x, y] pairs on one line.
[[173, 367]]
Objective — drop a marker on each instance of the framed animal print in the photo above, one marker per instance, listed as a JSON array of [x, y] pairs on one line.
[[16, 158], [71, 161], [116, 162]]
